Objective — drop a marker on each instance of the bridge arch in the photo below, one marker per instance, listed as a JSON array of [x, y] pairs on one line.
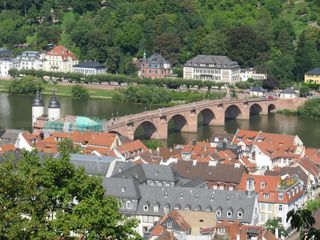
[[179, 121], [255, 109], [146, 130], [115, 132], [271, 108], [207, 116], [232, 112]]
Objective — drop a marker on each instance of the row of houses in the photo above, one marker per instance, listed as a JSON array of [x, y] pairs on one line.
[[239, 180], [201, 67], [59, 59]]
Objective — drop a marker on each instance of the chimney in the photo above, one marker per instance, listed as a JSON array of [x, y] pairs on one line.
[[277, 233], [250, 187]]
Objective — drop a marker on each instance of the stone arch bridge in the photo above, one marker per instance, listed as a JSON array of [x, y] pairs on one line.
[[185, 117]]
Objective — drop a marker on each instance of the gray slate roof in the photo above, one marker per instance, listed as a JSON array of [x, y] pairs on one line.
[[218, 61], [9, 136], [93, 165], [182, 198], [144, 172], [122, 188], [156, 58], [315, 71], [90, 64], [289, 91], [258, 89]]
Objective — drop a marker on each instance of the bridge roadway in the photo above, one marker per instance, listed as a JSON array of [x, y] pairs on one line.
[[185, 116]]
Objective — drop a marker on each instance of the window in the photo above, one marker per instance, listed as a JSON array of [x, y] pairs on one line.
[[240, 213], [201, 220], [262, 185], [128, 204], [169, 224], [156, 208], [146, 207], [221, 231], [123, 189], [166, 208], [266, 195], [229, 213], [280, 196], [280, 208], [218, 212]]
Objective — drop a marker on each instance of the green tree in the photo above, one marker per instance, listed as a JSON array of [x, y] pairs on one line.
[[27, 85], [246, 47], [302, 220], [304, 91], [273, 224], [313, 205], [80, 92], [66, 146], [52, 199]]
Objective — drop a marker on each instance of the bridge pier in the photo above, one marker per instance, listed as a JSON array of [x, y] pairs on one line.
[[245, 113], [220, 115], [265, 110], [192, 122], [162, 129]]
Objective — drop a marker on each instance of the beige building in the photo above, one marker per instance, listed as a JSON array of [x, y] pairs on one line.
[[312, 76], [212, 67], [59, 59]]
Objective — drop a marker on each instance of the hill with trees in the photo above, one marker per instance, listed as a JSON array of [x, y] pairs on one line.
[[280, 37]]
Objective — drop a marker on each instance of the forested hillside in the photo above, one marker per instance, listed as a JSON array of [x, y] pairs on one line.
[[281, 37]]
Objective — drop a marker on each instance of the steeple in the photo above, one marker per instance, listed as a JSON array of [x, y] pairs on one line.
[[38, 100], [144, 55], [37, 107], [54, 103], [54, 110]]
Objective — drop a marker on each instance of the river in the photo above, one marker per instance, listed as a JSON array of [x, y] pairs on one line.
[[15, 112]]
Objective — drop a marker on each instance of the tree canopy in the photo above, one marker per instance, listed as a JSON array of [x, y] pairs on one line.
[[254, 32], [49, 198]]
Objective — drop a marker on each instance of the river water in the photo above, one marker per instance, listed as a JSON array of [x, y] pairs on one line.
[[15, 112]]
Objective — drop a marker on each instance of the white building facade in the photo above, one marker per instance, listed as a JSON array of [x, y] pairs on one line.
[[211, 67], [59, 59], [89, 68]]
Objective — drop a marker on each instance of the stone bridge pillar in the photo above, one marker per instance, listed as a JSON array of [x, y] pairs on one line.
[[245, 111], [130, 130], [219, 112], [192, 122], [162, 128], [265, 109]]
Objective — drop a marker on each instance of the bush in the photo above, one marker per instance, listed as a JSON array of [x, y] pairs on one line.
[[27, 85], [80, 92], [311, 109]]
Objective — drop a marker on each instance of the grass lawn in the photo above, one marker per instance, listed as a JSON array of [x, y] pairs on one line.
[[62, 90]]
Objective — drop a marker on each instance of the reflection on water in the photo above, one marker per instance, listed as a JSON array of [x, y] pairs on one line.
[[15, 112]]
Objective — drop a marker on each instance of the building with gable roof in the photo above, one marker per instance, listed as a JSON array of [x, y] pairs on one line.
[[312, 76], [212, 67], [277, 195], [149, 203], [288, 93], [186, 225], [154, 67], [59, 59]]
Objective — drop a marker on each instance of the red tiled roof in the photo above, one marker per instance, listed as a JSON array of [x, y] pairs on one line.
[[62, 52], [309, 166], [7, 148], [268, 185]]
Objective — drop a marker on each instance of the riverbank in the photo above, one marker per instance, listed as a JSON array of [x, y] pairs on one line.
[[65, 90]]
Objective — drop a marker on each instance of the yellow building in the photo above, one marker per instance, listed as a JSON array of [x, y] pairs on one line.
[[312, 76]]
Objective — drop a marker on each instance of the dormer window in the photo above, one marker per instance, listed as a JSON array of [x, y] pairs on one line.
[[181, 195], [262, 185], [123, 189], [128, 204], [156, 208], [266, 195], [229, 213], [146, 207], [219, 212], [169, 224], [240, 214], [197, 195], [280, 196]]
